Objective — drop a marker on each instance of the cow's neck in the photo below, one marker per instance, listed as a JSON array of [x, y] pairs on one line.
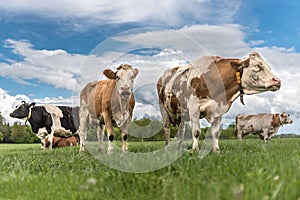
[[232, 84], [35, 119], [123, 104], [119, 105]]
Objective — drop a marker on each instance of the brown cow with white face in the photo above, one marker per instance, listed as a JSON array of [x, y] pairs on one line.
[[207, 88], [108, 102], [266, 125]]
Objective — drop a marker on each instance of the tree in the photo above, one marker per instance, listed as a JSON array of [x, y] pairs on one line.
[[4, 129], [1, 136], [19, 133]]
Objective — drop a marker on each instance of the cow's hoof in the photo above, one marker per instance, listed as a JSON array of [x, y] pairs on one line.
[[191, 152], [110, 151], [81, 149], [100, 149], [216, 150]]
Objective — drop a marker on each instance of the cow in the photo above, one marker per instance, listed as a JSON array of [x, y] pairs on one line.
[[47, 119], [61, 142], [106, 103], [265, 125], [207, 89]]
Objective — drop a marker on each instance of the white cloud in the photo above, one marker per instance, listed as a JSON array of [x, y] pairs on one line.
[[91, 12]]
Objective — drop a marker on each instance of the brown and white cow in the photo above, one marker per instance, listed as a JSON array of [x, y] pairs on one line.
[[207, 88], [266, 125], [111, 102]]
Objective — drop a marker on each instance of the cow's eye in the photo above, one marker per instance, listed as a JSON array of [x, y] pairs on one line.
[[117, 77], [258, 68]]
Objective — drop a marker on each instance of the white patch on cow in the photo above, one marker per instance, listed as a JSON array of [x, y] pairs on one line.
[[56, 114], [212, 109], [121, 117]]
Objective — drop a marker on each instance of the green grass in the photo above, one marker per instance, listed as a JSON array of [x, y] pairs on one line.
[[243, 170]]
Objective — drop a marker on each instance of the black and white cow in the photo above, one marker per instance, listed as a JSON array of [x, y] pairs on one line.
[[48, 119]]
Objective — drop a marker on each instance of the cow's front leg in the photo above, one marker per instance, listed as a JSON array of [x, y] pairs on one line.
[[194, 115], [239, 133], [215, 129], [50, 137], [110, 132], [265, 135], [125, 129], [124, 141]]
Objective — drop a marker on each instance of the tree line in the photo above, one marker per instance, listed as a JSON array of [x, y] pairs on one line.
[[16, 133]]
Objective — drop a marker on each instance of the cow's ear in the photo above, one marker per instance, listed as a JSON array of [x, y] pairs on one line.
[[109, 74], [240, 64], [235, 64], [245, 62], [135, 71]]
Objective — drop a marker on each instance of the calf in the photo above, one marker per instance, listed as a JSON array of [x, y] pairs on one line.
[[108, 102], [61, 142], [46, 119], [266, 125]]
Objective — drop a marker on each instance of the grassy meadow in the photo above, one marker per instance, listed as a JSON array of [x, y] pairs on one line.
[[250, 169]]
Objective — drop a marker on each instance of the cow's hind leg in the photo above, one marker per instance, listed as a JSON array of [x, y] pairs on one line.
[[83, 116], [100, 133], [166, 121]]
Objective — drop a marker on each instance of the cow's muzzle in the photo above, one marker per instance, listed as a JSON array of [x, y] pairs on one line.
[[125, 95], [276, 84]]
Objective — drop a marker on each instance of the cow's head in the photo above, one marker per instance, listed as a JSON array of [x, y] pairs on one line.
[[22, 110], [124, 77], [257, 76], [285, 118]]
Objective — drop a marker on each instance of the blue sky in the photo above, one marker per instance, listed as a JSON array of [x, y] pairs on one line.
[[44, 45]]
